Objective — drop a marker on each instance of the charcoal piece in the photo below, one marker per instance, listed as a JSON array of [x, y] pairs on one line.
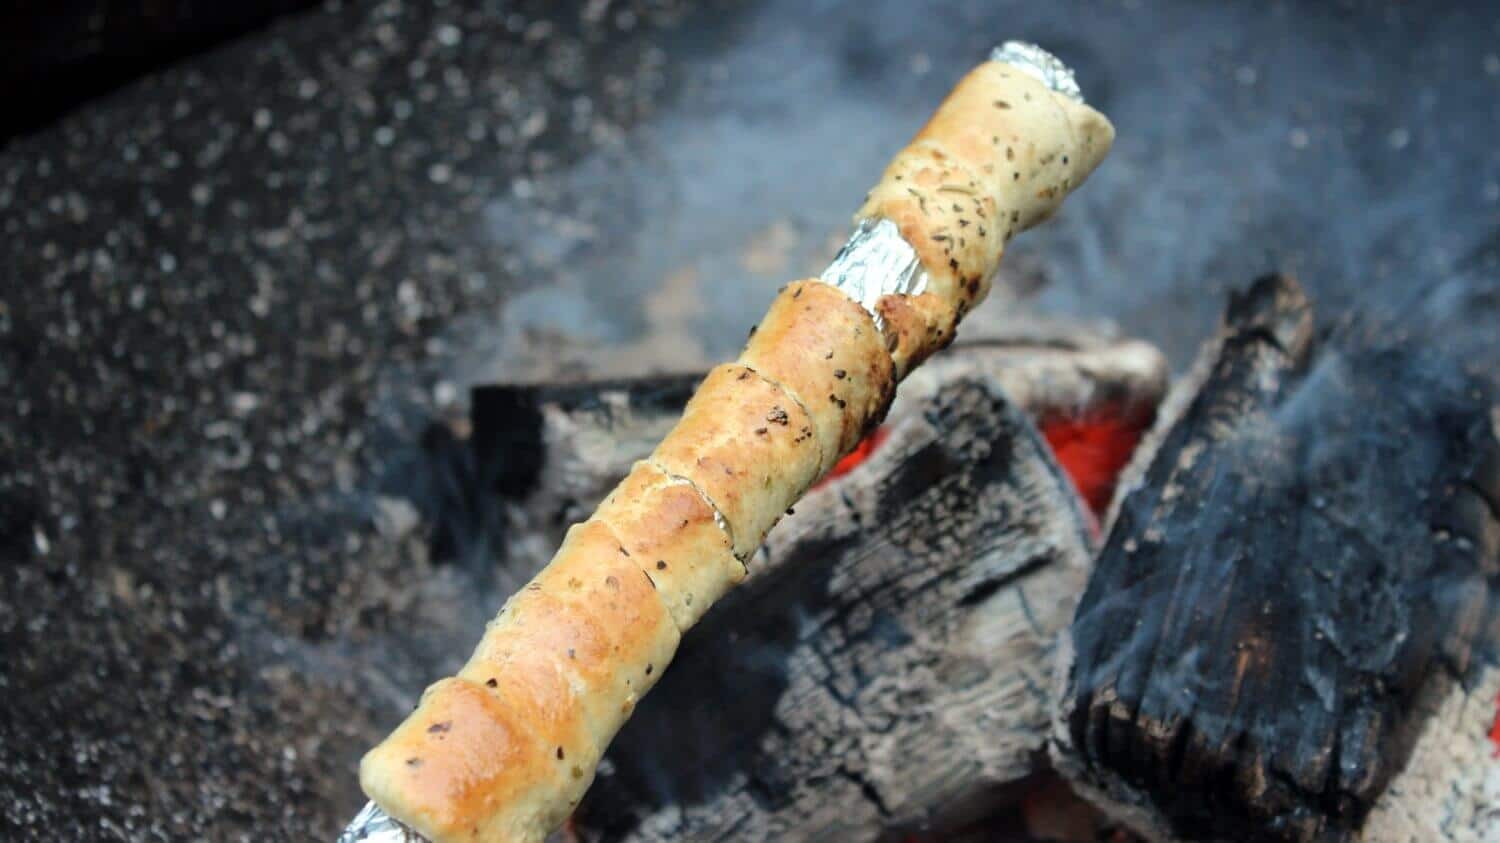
[[885, 668], [510, 438], [1306, 557]]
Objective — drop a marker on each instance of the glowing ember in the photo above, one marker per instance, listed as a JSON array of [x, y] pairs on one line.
[[1495, 728], [1093, 450], [861, 452]]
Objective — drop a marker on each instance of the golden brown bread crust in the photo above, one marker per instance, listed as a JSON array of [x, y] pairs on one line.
[[565, 662], [602, 617], [460, 756], [563, 667], [530, 680], [673, 537], [949, 216], [825, 350], [996, 158], [915, 328], [747, 446]]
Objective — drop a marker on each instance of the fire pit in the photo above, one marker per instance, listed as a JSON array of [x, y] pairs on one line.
[[246, 284]]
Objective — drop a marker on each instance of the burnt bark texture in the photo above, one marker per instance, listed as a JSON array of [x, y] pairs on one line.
[[884, 669], [1304, 562]]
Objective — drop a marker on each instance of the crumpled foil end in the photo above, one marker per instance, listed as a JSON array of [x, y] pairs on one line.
[[373, 825], [1034, 61], [875, 262]]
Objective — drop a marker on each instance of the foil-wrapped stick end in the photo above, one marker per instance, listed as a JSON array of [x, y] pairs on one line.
[[373, 825], [875, 263], [1047, 68]]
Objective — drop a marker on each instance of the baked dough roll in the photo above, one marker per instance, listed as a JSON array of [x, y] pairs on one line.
[[506, 750], [673, 534], [597, 616], [825, 350], [916, 327], [997, 157], [464, 753], [748, 446]]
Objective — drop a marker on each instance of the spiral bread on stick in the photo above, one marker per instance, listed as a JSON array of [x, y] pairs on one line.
[[506, 749]]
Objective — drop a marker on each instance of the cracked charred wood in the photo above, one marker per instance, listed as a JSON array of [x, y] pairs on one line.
[[550, 452], [885, 667], [1299, 578]]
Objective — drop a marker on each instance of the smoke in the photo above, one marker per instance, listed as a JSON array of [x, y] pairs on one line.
[[1346, 145], [1341, 147]]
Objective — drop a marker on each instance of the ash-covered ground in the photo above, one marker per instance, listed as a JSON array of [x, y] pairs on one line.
[[236, 292]]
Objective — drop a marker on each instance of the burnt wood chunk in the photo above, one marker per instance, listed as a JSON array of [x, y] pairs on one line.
[[1308, 554], [510, 436], [544, 455], [885, 667]]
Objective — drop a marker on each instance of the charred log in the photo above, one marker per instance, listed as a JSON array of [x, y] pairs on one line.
[[884, 670], [513, 422], [1307, 560]]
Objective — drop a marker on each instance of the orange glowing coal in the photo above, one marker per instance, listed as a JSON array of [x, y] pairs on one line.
[[861, 452], [1092, 449]]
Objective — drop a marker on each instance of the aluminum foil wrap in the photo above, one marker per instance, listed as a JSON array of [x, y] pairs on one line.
[[876, 261], [374, 825], [1047, 68]]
